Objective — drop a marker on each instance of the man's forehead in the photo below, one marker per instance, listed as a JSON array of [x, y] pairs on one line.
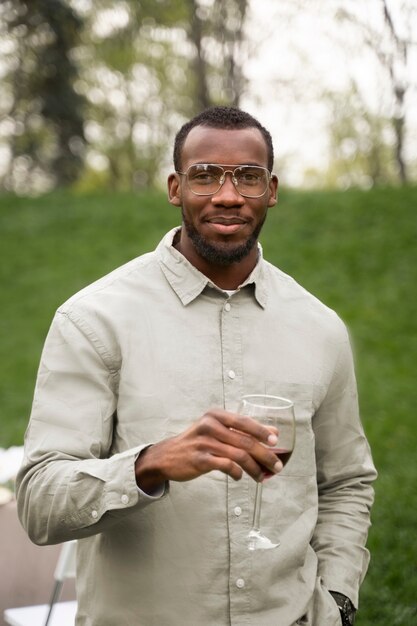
[[224, 145], [203, 130]]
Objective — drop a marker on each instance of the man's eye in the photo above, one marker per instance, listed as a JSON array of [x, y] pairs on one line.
[[249, 178], [203, 178]]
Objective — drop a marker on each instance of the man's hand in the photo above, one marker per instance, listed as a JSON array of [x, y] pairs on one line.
[[219, 440]]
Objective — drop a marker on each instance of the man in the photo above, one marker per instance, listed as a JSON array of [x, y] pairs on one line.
[[134, 446]]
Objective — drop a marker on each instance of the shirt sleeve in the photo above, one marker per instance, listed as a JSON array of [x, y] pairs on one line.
[[71, 485], [345, 473]]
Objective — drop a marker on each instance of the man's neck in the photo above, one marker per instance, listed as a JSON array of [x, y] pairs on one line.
[[228, 277]]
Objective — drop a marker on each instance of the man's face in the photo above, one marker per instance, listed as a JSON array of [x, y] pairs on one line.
[[221, 228]]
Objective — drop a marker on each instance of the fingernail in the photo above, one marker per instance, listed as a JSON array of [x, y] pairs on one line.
[[278, 466], [272, 439]]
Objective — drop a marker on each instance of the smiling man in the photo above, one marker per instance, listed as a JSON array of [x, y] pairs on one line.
[[134, 445], [221, 226]]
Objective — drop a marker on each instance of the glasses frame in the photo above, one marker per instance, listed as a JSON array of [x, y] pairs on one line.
[[223, 178]]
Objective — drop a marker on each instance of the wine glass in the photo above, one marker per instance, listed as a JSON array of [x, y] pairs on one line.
[[271, 411]]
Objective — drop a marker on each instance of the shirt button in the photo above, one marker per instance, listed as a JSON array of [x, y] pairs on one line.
[[237, 511], [240, 583], [125, 499], [231, 374], [227, 307], [94, 514]]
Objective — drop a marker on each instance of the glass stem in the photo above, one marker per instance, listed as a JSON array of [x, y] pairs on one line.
[[256, 524]]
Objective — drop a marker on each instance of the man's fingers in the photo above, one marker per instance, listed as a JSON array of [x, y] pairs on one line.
[[225, 465], [255, 459], [239, 423], [243, 438]]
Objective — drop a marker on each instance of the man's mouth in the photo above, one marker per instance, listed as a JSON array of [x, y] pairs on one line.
[[226, 225]]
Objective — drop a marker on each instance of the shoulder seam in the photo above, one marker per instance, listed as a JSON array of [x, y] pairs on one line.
[[91, 336]]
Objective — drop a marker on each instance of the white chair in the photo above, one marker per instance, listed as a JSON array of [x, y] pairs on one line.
[[55, 613]]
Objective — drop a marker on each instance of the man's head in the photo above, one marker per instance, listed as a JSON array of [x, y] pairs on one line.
[[224, 186], [226, 118]]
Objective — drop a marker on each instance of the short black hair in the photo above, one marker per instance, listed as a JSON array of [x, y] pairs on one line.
[[229, 118]]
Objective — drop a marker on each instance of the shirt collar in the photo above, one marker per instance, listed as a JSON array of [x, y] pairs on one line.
[[188, 282]]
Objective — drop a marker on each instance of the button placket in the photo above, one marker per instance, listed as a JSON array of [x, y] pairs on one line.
[[232, 368], [240, 563], [231, 360]]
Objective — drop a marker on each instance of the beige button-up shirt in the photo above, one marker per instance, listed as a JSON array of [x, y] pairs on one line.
[[135, 358]]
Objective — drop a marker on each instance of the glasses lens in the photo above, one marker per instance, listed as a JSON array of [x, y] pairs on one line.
[[252, 181], [204, 179]]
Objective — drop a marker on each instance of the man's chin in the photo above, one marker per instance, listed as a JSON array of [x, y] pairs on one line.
[[221, 253]]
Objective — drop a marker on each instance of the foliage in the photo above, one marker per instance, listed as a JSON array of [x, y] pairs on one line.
[[93, 92], [391, 44], [159, 65], [141, 67], [355, 250], [44, 111], [361, 151]]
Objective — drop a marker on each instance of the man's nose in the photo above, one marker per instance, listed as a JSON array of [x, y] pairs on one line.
[[228, 193]]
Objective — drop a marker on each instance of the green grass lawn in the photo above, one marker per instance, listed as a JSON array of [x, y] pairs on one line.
[[355, 250]]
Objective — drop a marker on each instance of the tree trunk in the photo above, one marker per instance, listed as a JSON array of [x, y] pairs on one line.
[[200, 66], [399, 89], [399, 131]]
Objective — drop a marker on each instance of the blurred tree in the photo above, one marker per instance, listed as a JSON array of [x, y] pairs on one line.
[[360, 144], [195, 33], [146, 68], [123, 75], [44, 112], [391, 46], [217, 33]]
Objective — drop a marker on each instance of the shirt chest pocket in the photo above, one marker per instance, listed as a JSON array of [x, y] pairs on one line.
[[302, 461]]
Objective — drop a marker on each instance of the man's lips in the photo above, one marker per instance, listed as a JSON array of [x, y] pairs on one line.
[[221, 219], [226, 225]]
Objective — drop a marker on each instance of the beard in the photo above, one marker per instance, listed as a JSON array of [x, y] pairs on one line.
[[221, 253]]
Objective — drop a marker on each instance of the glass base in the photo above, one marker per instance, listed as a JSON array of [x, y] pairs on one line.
[[257, 541]]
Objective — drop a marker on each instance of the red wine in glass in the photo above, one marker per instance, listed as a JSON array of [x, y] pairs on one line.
[[284, 456]]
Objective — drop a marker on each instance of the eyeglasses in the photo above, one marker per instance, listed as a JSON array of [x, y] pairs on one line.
[[205, 179]]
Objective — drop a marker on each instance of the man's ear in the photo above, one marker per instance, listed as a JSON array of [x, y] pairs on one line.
[[273, 190], [174, 189]]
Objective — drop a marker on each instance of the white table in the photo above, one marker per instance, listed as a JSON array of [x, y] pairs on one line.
[[63, 614]]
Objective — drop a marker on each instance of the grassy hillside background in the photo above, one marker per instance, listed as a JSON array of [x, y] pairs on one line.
[[355, 250]]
